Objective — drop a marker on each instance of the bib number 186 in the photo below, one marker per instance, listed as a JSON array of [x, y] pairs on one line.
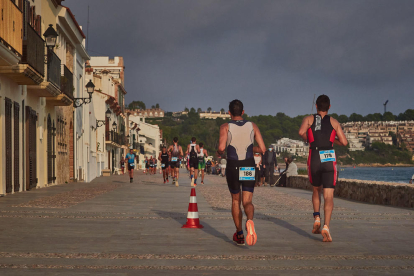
[[247, 173]]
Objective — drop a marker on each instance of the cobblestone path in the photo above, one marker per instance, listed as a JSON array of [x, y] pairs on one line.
[[113, 227]]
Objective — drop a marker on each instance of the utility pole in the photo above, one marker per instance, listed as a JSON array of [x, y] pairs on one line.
[[385, 107]]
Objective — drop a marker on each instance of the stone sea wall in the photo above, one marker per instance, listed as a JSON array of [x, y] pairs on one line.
[[376, 192]]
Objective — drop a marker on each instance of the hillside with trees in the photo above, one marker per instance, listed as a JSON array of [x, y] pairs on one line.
[[278, 126]]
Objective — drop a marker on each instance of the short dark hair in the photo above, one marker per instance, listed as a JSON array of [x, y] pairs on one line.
[[323, 102], [236, 108], [201, 144], [175, 140], [193, 139], [164, 147]]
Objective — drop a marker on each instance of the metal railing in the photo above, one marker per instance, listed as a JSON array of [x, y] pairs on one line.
[[34, 51], [67, 81], [53, 68], [115, 137], [11, 25]]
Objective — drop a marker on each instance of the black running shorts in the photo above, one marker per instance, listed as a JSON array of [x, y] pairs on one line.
[[194, 163], [131, 166], [174, 164], [232, 176], [321, 174], [165, 165]]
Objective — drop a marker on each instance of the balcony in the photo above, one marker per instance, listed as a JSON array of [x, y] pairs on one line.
[[30, 70], [53, 68], [67, 82], [116, 139], [11, 30]]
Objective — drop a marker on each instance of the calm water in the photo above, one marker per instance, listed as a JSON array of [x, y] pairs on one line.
[[388, 174]]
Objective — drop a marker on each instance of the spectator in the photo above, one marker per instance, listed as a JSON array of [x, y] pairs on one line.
[[223, 165], [292, 168], [269, 164], [258, 162], [282, 181], [412, 179]]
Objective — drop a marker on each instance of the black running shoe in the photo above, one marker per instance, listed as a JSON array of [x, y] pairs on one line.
[[237, 240]]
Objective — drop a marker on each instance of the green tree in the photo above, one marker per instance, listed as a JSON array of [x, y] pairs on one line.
[[157, 105], [136, 105], [192, 110], [343, 119], [222, 110], [335, 116], [388, 116], [408, 115], [153, 106], [209, 109], [373, 117], [186, 109], [356, 117], [199, 110]]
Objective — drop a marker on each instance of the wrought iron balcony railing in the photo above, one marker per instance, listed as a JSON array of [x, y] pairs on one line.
[[34, 51], [67, 81], [53, 68]]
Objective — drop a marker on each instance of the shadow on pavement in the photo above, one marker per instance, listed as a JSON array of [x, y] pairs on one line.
[[208, 229], [286, 225]]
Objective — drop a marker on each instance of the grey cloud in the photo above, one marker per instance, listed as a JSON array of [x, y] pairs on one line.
[[274, 55]]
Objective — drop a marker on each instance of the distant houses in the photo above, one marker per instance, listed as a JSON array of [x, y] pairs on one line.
[[363, 134]]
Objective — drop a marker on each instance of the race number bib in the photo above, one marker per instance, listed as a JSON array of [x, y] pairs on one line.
[[132, 164], [327, 156], [163, 165], [247, 173], [174, 159]]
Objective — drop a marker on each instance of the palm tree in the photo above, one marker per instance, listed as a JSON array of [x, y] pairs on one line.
[[199, 110], [186, 109], [222, 110], [209, 109], [157, 105]]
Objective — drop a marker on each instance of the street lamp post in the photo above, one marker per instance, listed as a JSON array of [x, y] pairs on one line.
[[90, 87], [100, 123]]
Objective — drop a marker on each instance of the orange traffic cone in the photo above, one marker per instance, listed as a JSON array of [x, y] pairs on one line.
[[192, 217]]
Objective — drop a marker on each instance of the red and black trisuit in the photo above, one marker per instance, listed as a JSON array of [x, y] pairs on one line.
[[321, 137]]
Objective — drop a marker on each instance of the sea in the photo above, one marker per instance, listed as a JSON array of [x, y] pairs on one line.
[[387, 174]]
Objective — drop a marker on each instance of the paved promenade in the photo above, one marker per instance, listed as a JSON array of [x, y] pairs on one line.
[[113, 227]]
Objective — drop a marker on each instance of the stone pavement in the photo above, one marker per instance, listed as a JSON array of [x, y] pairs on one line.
[[113, 227]]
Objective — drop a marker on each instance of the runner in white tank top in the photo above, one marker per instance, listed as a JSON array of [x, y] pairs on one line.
[[239, 135]]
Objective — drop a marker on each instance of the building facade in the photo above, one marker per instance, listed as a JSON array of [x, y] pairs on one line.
[[293, 147]]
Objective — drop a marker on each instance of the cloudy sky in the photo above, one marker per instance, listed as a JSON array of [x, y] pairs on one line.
[[273, 55]]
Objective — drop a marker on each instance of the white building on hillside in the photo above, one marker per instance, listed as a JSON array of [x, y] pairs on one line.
[[290, 146], [148, 140]]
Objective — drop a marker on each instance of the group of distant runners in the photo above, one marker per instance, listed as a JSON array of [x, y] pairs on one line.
[[237, 139]]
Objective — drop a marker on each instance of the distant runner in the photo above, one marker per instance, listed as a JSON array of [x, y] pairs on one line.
[[147, 167], [193, 150], [165, 163], [176, 152], [202, 161], [239, 135], [131, 164], [151, 162], [320, 130]]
